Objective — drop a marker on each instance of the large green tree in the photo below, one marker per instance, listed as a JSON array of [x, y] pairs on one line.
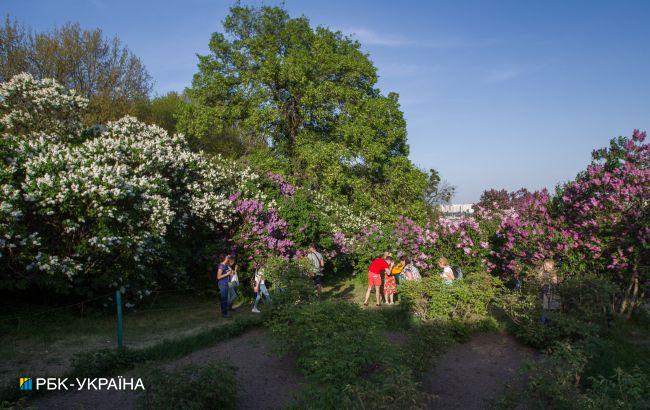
[[309, 97], [161, 110]]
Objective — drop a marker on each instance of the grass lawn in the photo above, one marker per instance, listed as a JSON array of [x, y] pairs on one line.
[[352, 289], [41, 342]]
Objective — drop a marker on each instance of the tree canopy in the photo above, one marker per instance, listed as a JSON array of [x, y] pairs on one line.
[[308, 96], [99, 69]]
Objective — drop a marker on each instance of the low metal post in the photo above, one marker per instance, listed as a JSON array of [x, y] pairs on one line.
[[118, 301]]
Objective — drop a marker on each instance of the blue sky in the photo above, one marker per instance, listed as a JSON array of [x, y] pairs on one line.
[[497, 94]]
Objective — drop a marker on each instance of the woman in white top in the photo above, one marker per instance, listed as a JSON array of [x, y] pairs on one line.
[[447, 273], [232, 284]]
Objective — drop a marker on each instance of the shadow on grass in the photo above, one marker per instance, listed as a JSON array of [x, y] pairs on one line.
[[340, 291]]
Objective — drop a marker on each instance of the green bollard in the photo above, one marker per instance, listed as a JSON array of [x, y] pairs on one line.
[[118, 301]]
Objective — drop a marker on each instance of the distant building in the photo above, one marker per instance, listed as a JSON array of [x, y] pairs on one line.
[[456, 211]]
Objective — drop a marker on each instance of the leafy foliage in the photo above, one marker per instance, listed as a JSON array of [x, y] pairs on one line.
[[162, 110], [308, 95], [190, 387], [555, 382], [466, 299], [101, 70], [346, 360], [289, 279]]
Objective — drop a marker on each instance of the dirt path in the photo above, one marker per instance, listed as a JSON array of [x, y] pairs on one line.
[[264, 381], [472, 374]]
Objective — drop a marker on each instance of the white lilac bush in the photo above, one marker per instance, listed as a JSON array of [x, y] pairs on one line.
[[88, 211]]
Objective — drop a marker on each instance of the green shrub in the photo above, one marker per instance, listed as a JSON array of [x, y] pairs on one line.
[[559, 327], [553, 381], [288, 280], [190, 387], [588, 297], [464, 299], [593, 361], [556, 381], [624, 390], [345, 358], [331, 339], [586, 303]]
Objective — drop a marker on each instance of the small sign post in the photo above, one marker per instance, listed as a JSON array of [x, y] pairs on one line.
[[118, 302]]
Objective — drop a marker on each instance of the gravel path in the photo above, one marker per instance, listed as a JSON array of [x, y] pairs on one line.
[[470, 375]]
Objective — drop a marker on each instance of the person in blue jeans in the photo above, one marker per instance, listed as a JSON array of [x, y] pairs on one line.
[[233, 284], [260, 289], [223, 278]]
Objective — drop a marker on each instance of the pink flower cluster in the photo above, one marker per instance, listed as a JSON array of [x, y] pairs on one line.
[[412, 240], [526, 234], [461, 241], [286, 188], [262, 232], [341, 244], [598, 222]]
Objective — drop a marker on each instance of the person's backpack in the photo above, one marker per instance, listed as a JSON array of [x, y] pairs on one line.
[[458, 272], [253, 276], [321, 264]]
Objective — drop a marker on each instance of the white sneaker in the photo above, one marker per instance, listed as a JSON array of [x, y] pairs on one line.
[[255, 310]]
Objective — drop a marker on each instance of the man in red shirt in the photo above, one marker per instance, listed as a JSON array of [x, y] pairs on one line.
[[374, 275]]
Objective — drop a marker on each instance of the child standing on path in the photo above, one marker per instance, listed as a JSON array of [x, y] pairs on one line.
[[398, 269], [390, 282], [259, 288]]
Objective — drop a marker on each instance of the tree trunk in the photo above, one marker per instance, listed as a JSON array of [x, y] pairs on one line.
[[630, 298]]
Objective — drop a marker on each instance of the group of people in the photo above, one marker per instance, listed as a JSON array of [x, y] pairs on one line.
[[228, 281], [394, 272]]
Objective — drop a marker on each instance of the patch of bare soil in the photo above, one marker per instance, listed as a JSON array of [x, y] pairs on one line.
[[264, 380], [472, 374]]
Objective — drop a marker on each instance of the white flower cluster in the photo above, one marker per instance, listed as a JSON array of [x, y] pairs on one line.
[[71, 205], [30, 105], [344, 219]]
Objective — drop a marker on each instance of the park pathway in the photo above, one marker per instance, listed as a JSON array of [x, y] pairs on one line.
[[471, 375], [264, 380]]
